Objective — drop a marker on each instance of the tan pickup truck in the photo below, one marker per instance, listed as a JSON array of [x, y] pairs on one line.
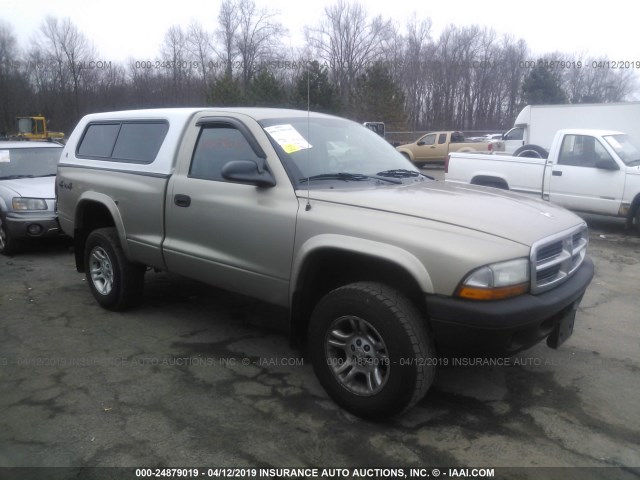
[[322, 217], [435, 146]]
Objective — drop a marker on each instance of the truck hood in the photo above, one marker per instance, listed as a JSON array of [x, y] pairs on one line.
[[38, 187], [495, 212]]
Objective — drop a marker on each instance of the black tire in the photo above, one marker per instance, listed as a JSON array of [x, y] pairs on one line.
[[531, 151], [7, 242], [115, 282], [370, 350]]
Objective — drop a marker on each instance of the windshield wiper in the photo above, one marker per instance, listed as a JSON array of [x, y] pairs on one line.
[[633, 162], [402, 173], [346, 177], [399, 173]]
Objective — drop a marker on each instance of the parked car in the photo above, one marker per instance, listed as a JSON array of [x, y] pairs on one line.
[[27, 192], [592, 171], [492, 136], [536, 125], [435, 146]]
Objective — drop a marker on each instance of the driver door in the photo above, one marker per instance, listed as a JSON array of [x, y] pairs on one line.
[[236, 235], [425, 148], [586, 177]]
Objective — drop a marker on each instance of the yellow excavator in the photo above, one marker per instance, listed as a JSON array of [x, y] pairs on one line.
[[36, 128]]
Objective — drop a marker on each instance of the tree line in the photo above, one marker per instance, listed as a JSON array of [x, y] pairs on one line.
[[360, 66]]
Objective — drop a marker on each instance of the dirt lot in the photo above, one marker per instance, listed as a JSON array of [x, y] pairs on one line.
[[199, 377]]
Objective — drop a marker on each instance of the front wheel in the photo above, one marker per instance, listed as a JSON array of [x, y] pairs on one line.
[[7, 242], [371, 350], [114, 281]]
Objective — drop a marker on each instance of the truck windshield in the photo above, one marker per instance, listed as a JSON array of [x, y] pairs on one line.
[[627, 148], [322, 151], [28, 162]]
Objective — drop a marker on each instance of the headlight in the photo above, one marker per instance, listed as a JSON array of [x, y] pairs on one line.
[[496, 281], [21, 203]]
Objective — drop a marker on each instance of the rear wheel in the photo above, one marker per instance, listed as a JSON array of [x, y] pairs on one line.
[[115, 282], [371, 350]]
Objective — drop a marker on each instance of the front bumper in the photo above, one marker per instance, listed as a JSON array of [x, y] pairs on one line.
[[504, 326], [32, 224]]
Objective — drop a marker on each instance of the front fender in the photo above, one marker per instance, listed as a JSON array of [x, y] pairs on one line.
[[390, 253], [406, 151]]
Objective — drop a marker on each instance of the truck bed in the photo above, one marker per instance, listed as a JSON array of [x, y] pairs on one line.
[[520, 174]]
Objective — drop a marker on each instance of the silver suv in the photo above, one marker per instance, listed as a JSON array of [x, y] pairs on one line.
[[27, 197]]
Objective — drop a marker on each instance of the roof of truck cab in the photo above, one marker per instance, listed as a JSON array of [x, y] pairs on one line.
[[185, 113], [177, 118], [4, 145]]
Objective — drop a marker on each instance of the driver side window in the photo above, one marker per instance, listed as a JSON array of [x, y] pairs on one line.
[[216, 146], [515, 134], [582, 151], [429, 139]]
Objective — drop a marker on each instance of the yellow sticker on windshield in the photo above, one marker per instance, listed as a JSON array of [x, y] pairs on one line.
[[4, 156], [288, 138]]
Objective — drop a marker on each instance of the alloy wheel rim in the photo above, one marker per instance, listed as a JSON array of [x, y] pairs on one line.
[[357, 355], [101, 271]]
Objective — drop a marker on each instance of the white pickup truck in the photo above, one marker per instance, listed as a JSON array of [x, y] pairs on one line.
[[592, 171]]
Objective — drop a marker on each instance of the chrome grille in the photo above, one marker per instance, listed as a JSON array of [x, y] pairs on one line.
[[555, 258]]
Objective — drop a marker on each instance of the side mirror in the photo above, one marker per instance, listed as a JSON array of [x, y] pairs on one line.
[[421, 143], [607, 165], [246, 171]]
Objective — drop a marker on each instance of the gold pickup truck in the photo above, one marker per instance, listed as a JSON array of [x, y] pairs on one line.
[[331, 230], [435, 146]]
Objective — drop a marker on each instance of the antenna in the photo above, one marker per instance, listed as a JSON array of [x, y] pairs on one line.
[[308, 206]]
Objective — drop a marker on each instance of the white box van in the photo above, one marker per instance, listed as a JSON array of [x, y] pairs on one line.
[[536, 125]]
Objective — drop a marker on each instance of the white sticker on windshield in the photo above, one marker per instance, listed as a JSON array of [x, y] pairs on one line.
[[288, 138], [4, 156]]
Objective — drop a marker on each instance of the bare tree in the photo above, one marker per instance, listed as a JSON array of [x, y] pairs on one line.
[[258, 37], [511, 55], [229, 25], [349, 42], [174, 57], [12, 83], [71, 53], [418, 49], [200, 47], [592, 81]]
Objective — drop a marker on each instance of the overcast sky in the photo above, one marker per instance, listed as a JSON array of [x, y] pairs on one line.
[[122, 29]]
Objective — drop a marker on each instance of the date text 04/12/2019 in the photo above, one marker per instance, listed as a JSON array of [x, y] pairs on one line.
[[315, 472]]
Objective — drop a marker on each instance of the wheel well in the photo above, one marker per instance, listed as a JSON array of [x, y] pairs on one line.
[[487, 181], [329, 269], [90, 216], [633, 210]]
